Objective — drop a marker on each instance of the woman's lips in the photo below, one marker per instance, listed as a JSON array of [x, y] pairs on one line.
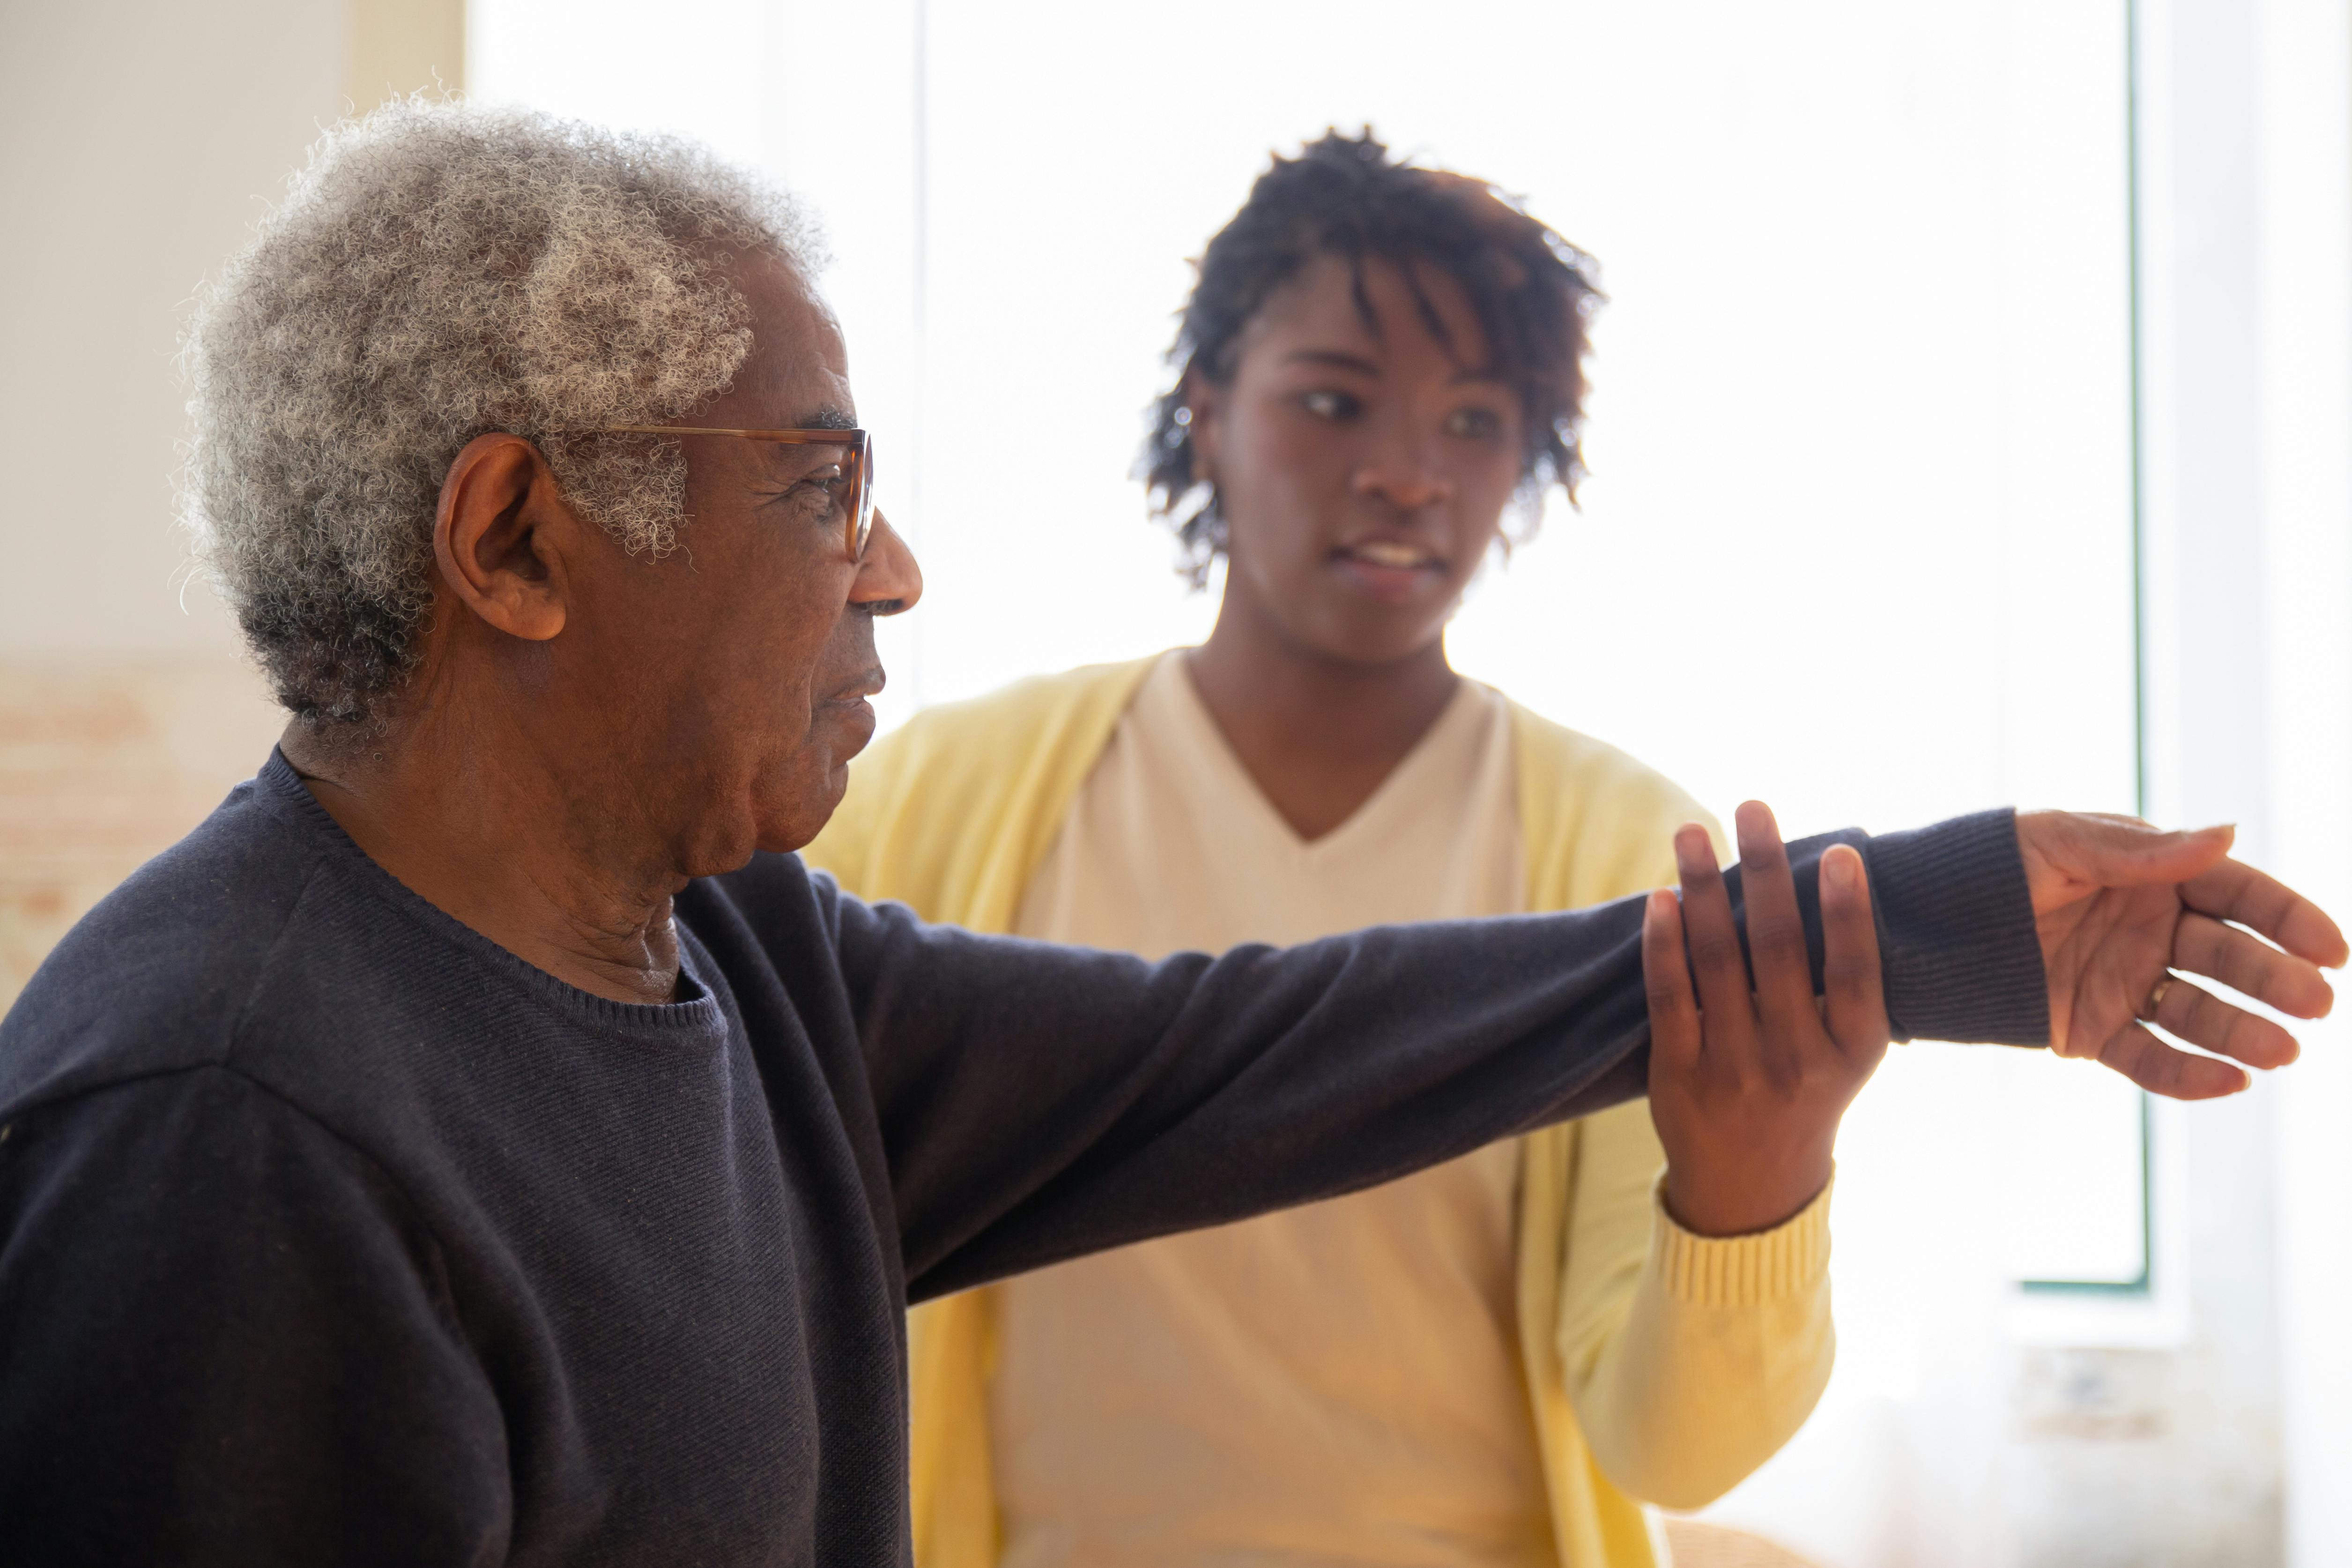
[[1389, 571]]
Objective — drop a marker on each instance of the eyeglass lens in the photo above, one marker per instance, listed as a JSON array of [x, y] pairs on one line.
[[861, 498], [855, 495]]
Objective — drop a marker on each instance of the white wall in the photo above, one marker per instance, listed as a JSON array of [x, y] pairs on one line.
[[138, 142], [142, 138]]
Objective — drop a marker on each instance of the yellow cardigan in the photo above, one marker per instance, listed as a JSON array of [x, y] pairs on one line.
[[952, 812]]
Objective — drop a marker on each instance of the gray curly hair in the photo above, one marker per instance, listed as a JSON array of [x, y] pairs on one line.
[[439, 270]]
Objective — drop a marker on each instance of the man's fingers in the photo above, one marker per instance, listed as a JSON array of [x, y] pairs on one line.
[[1714, 943], [1782, 971], [2233, 890], [2251, 967], [1855, 1000], [2193, 1014], [2087, 850], [2160, 1069], [1665, 973]]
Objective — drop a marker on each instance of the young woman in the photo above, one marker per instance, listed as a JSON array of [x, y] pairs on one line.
[[1491, 1361]]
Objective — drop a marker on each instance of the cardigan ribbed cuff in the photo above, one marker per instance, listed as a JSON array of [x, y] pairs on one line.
[[1756, 1270], [1955, 936]]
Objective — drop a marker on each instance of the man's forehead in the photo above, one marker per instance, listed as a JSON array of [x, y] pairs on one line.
[[798, 370]]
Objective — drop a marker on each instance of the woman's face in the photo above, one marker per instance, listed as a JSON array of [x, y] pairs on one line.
[[1363, 473]]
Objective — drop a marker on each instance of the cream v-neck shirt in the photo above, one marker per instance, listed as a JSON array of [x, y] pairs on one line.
[[1334, 1385]]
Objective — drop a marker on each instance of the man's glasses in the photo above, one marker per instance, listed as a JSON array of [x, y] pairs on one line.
[[855, 458]]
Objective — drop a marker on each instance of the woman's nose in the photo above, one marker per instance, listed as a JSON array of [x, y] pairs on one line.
[[1405, 479], [888, 581]]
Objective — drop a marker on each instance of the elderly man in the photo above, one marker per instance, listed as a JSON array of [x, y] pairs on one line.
[[481, 1141]]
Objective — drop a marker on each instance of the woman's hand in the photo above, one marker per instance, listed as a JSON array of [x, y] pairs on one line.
[[1748, 1082], [2121, 906]]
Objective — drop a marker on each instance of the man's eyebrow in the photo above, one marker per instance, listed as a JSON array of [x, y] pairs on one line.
[[1337, 359], [830, 416]]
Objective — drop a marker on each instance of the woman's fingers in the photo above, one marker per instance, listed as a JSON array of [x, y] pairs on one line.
[[1776, 932], [2253, 968], [1854, 997], [2160, 1069], [2191, 1012], [1713, 941], [2236, 892], [1749, 1133], [1674, 1008]]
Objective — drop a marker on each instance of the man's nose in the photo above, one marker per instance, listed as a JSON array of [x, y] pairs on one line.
[[888, 581]]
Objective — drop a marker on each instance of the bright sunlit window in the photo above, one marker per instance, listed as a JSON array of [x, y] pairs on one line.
[[1859, 534]]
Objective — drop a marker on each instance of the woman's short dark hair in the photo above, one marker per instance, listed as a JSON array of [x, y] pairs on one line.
[[1345, 195]]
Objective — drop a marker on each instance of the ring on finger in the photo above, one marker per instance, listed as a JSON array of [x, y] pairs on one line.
[[2156, 1000]]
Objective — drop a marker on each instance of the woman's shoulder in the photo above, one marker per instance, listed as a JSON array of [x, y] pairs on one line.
[[1560, 757], [941, 788], [1597, 821], [984, 733]]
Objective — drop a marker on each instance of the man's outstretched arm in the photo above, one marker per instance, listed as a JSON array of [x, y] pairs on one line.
[[1041, 1102]]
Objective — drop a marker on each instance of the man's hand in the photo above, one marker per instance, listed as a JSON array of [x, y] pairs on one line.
[[2121, 906], [1748, 1082]]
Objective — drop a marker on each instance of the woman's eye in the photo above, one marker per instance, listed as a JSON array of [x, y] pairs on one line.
[[1334, 405], [1480, 424]]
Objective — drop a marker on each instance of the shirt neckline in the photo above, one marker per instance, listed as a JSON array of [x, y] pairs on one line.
[[693, 1018], [1191, 712]]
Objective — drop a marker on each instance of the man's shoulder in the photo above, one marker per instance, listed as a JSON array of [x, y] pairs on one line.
[[768, 895], [153, 978]]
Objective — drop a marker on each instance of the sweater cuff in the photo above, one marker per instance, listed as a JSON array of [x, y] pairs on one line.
[[1755, 1270], [1955, 935]]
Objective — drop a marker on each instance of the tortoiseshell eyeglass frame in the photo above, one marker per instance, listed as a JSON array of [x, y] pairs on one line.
[[857, 446]]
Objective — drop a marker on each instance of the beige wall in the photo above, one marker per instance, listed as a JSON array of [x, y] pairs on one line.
[[395, 47], [142, 139]]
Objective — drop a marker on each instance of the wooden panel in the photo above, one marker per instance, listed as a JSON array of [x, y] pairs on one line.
[[102, 765]]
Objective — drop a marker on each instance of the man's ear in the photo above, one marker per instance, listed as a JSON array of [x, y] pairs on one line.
[[499, 537]]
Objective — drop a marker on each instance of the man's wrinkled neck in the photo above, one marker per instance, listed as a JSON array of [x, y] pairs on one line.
[[521, 845]]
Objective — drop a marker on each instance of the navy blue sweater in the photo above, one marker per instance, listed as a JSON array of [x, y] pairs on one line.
[[331, 1231]]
